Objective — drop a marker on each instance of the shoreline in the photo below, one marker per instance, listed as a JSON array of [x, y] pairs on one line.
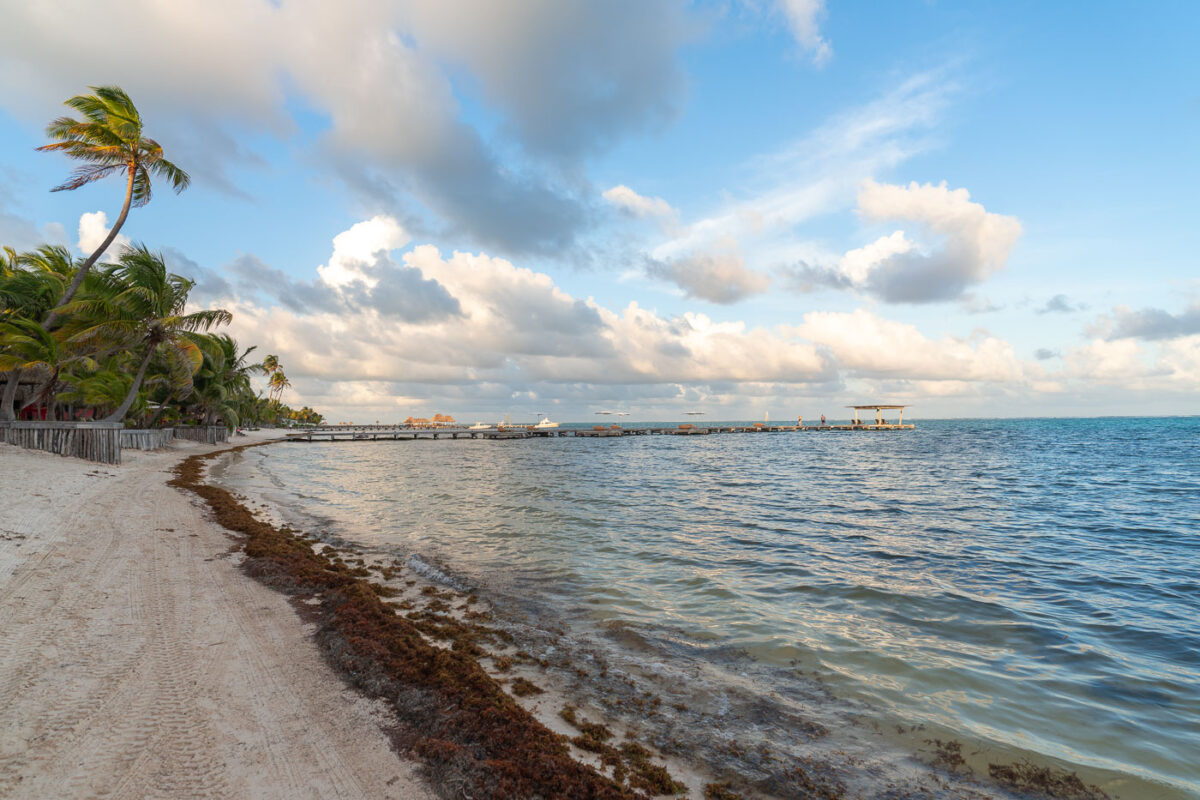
[[377, 640], [578, 673]]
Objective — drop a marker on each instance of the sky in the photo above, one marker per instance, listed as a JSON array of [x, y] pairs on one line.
[[748, 208]]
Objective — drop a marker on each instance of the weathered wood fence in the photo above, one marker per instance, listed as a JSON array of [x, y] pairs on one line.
[[208, 434], [147, 438], [94, 441]]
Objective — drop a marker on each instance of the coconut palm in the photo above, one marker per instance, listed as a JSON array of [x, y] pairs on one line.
[[223, 381], [139, 304], [27, 346], [270, 364], [278, 384], [30, 284], [108, 140]]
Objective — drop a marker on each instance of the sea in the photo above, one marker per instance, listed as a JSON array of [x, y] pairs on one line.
[[1029, 588]]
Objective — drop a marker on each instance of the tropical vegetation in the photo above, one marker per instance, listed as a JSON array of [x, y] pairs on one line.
[[82, 338]]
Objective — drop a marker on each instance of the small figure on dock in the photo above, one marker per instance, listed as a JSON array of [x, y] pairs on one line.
[[800, 421], [822, 420]]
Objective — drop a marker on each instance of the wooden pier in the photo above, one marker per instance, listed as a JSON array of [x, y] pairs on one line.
[[374, 433]]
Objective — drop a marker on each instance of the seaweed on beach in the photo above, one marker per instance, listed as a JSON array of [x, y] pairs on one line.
[[1033, 780], [474, 738]]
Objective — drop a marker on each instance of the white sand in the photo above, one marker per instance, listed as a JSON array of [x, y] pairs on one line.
[[137, 661]]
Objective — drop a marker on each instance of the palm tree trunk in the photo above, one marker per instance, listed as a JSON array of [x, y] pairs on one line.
[[82, 272], [46, 390], [161, 409], [7, 413], [123, 409]]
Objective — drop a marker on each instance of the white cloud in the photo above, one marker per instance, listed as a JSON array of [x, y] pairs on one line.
[[720, 276], [359, 247], [866, 345], [93, 228], [638, 205], [803, 20], [969, 244]]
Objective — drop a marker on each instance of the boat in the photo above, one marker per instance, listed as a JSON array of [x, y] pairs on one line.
[[479, 426], [543, 424]]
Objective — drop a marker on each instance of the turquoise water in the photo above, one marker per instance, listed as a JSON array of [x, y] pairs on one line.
[[1032, 586]]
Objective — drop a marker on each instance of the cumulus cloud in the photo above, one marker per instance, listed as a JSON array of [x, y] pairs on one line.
[[637, 205], [93, 228], [718, 277], [970, 244], [866, 344], [1045, 354], [803, 18], [359, 246], [489, 323], [1150, 324], [1061, 304]]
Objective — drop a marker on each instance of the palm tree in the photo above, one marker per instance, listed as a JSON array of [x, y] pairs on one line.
[[27, 346], [278, 384], [223, 382], [139, 304], [270, 364], [107, 141], [30, 284]]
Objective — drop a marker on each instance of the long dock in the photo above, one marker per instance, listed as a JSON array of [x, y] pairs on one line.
[[372, 433]]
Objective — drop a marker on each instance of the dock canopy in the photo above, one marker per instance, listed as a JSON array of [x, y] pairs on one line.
[[878, 409]]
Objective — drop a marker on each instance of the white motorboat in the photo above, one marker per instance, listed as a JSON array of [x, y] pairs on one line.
[[544, 423]]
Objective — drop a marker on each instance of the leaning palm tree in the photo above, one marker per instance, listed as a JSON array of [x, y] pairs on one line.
[[137, 302], [108, 140], [270, 364]]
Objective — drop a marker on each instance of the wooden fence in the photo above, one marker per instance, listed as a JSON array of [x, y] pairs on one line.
[[208, 434], [94, 441], [147, 438]]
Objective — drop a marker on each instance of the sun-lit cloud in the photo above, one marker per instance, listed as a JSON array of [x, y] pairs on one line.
[[513, 329], [966, 245], [866, 344], [93, 229], [638, 205], [718, 276]]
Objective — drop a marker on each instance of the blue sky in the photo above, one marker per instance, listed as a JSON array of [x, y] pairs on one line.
[[743, 207]]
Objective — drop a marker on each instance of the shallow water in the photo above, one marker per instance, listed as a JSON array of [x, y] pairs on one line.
[[1029, 585]]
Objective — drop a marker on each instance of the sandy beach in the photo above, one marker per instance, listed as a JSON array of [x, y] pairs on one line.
[[137, 660]]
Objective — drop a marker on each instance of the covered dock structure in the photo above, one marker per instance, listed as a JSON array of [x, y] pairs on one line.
[[880, 423]]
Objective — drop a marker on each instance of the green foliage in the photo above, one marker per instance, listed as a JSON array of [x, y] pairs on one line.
[[118, 341]]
